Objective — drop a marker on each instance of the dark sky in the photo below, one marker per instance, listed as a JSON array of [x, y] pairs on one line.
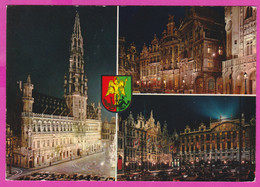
[[138, 24], [178, 111], [38, 42]]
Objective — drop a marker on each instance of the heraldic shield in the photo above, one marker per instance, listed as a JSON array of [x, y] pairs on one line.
[[116, 92]]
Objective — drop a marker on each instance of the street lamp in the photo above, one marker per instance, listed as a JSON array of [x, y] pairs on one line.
[[245, 77], [183, 81], [164, 82]]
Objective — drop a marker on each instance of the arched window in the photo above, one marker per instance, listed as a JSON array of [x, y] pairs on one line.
[[39, 127], [249, 12], [49, 126]]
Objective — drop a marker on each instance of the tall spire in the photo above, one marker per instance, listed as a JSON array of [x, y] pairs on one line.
[[76, 79], [76, 38], [75, 84]]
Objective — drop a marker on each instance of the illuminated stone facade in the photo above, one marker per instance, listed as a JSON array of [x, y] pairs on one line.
[[142, 145], [108, 131], [196, 57], [219, 143], [239, 70], [186, 59], [54, 129]]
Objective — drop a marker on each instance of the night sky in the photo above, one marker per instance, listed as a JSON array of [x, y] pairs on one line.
[[179, 111], [38, 43], [138, 24]]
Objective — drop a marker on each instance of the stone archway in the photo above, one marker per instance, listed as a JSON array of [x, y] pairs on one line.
[[239, 83], [227, 83], [211, 85], [252, 83]]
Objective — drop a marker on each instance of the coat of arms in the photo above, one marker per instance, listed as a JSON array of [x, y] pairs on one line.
[[116, 92]]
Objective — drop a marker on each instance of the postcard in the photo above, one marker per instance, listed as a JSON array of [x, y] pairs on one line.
[[129, 93]]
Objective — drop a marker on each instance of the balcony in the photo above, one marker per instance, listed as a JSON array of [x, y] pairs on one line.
[[238, 61], [211, 69]]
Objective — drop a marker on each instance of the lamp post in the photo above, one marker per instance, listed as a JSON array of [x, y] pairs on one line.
[[183, 82], [245, 77], [164, 84], [138, 86]]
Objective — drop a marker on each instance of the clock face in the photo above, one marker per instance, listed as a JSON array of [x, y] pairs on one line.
[[229, 25]]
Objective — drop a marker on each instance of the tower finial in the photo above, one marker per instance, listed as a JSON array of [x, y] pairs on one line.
[[29, 79]]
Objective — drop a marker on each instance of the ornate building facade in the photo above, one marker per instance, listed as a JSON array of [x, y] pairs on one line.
[[220, 143], [239, 70], [142, 145], [109, 141], [197, 57], [128, 60], [186, 59], [54, 129]]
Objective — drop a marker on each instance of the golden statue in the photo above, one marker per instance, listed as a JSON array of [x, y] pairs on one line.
[[115, 87]]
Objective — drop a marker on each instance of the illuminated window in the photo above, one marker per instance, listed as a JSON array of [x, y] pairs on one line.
[[210, 64], [220, 50], [209, 49]]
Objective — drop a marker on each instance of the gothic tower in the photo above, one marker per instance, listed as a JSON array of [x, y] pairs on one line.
[[28, 101], [27, 96], [75, 85]]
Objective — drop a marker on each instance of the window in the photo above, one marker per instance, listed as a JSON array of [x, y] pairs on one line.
[[209, 49], [249, 47], [249, 12], [220, 49]]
